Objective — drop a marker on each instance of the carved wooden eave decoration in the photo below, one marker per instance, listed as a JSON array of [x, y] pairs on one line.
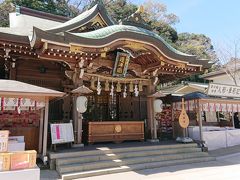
[[150, 57], [127, 38], [14, 46]]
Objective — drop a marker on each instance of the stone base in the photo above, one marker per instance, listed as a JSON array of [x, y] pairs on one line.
[[77, 145], [153, 140], [25, 174]]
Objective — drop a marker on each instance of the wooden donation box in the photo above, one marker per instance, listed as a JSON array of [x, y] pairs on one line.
[[116, 131]]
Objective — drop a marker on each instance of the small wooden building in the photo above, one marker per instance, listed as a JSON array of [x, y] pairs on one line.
[[24, 112], [122, 63]]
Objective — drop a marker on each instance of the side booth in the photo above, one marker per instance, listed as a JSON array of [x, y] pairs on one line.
[[23, 128], [211, 119]]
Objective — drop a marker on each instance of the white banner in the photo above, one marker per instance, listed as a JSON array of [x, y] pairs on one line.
[[222, 90], [23, 103], [208, 107]]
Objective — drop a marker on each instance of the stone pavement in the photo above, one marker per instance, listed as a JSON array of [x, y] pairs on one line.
[[226, 167]]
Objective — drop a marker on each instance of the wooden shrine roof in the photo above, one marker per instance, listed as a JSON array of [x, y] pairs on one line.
[[78, 42], [15, 88], [41, 14], [9, 36], [84, 18], [111, 34]]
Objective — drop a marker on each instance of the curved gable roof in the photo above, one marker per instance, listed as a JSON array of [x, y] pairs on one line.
[[111, 30], [82, 19], [110, 34], [113, 33]]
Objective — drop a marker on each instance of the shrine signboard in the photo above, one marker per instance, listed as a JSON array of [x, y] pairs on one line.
[[121, 64], [62, 133], [222, 90]]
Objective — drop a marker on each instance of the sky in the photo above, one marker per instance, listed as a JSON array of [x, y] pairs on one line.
[[218, 19]]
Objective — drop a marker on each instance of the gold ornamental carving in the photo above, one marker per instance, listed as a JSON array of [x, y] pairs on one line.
[[77, 49], [135, 46], [118, 128], [98, 20], [181, 65]]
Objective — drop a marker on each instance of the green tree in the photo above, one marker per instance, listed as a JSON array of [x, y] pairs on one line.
[[5, 8], [196, 44], [157, 16], [167, 32], [120, 9], [156, 13]]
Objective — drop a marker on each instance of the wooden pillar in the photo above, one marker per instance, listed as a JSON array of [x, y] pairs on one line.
[[79, 132], [45, 128], [150, 115], [150, 110], [77, 122], [40, 143], [233, 125], [75, 118], [200, 122], [173, 122], [13, 70]]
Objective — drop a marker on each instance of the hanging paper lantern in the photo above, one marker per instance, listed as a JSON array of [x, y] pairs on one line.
[[107, 86], [140, 86], [118, 87], [81, 104], [157, 105], [131, 87]]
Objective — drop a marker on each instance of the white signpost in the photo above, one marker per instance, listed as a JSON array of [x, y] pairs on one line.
[[222, 90], [62, 133]]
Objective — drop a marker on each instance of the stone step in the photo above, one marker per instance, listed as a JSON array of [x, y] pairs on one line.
[[121, 155], [126, 161], [124, 168], [104, 150]]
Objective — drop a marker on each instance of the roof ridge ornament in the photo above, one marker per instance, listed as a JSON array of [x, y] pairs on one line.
[[96, 2], [140, 9], [136, 19], [85, 20]]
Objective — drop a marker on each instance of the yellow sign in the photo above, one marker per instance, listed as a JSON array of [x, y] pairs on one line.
[[183, 118]]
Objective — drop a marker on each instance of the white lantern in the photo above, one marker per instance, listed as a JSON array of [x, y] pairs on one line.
[[157, 105], [81, 104]]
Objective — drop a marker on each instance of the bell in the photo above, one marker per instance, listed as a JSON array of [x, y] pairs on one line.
[[107, 86], [118, 87], [131, 87]]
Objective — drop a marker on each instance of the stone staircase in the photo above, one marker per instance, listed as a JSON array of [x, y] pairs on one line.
[[79, 164]]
